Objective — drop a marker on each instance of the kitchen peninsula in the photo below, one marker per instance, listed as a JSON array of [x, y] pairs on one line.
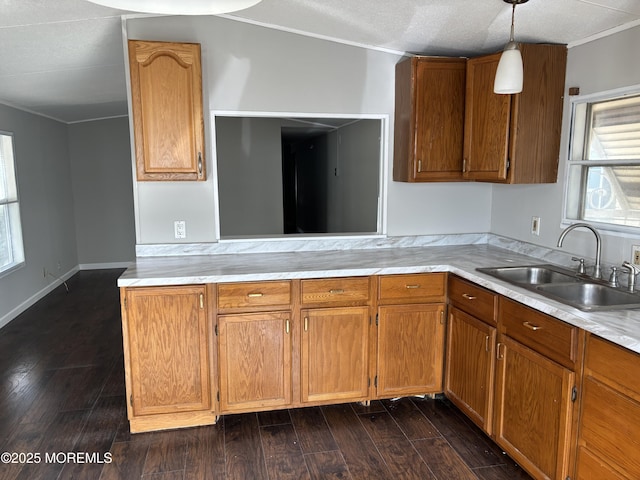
[[208, 335]]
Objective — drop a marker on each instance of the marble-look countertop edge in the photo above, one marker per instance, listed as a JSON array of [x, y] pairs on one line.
[[619, 327]]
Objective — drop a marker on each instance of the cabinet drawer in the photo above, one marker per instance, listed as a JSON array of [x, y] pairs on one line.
[[613, 365], [254, 294], [421, 287], [474, 300], [335, 290], [547, 335]]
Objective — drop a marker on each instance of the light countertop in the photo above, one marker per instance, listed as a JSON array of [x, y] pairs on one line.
[[621, 326]]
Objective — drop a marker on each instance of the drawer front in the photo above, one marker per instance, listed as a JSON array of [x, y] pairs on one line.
[[613, 365], [420, 287], [335, 290], [547, 335], [474, 300], [254, 294]]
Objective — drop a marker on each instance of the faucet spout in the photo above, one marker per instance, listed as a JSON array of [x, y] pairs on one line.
[[597, 269]]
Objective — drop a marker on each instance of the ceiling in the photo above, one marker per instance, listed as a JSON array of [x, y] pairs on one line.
[[64, 59]]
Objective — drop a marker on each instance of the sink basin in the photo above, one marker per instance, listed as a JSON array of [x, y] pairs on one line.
[[566, 286], [591, 296], [532, 274]]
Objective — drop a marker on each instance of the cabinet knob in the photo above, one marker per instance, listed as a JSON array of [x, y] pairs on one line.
[[200, 164]]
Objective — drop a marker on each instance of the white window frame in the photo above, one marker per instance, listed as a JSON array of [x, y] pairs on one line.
[[10, 203], [577, 135]]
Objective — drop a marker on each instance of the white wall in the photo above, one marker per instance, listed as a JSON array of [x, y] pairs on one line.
[[604, 64], [100, 157], [251, 68], [46, 208], [250, 176]]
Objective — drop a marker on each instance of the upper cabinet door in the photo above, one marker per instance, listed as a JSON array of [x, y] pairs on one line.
[[429, 119], [515, 138], [166, 100], [487, 115]]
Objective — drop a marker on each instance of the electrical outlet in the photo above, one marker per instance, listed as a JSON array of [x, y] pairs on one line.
[[180, 229], [635, 255], [535, 225]]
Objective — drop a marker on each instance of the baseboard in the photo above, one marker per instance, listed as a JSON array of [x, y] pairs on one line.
[[104, 266], [57, 281]]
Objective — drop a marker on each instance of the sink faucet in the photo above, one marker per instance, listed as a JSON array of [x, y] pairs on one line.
[[633, 271], [597, 270]]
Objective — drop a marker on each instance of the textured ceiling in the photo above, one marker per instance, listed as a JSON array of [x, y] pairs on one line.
[[64, 58]]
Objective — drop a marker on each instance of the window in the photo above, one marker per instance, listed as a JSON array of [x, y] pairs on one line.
[[603, 181], [11, 249]]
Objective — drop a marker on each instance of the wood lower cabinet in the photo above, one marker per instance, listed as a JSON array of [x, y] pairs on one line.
[[255, 338], [471, 343], [255, 361], [167, 357], [410, 350], [411, 328], [533, 410], [335, 354], [536, 390], [609, 438], [469, 381]]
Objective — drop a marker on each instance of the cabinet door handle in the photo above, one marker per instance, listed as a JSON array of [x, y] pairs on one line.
[[201, 301], [306, 324], [486, 343], [255, 295], [335, 291], [531, 326], [412, 286], [419, 166], [200, 164], [499, 353], [468, 297], [287, 326]]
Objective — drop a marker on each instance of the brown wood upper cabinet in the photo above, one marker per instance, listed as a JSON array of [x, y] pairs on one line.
[[429, 119], [450, 126], [166, 100], [515, 138]]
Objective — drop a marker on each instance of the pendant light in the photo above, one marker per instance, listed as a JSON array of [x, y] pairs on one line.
[[509, 74], [179, 7]]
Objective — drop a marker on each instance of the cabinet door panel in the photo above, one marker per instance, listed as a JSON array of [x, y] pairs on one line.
[[167, 331], [470, 367], [166, 90], [255, 361], [335, 356], [410, 349], [533, 410], [611, 431], [487, 117]]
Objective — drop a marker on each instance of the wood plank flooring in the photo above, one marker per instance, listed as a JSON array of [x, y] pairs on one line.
[[63, 416]]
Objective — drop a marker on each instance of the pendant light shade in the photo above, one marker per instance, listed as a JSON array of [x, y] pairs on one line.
[[509, 74], [179, 7]]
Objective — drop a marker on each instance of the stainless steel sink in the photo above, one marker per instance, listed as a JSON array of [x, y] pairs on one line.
[[566, 286], [591, 296], [532, 274]]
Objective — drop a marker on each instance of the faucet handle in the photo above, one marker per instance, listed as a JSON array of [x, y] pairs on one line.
[[613, 278], [581, 269], [633, 269]]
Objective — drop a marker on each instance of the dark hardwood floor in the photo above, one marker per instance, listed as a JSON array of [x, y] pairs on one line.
[[63, 416]]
